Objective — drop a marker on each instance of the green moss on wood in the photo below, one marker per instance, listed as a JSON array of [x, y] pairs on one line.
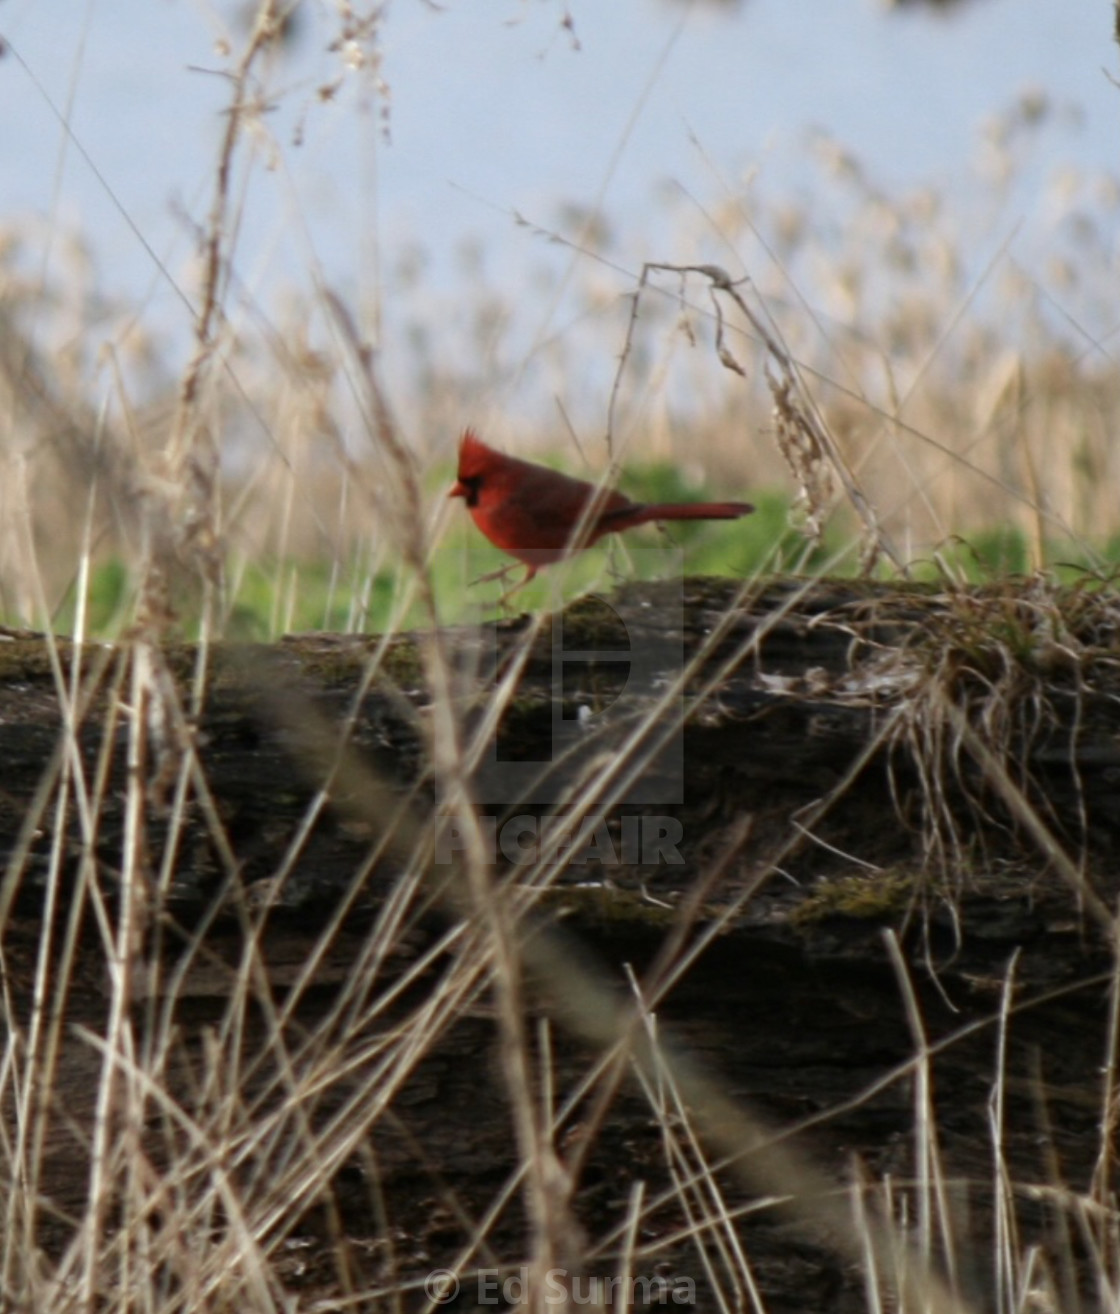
[[870, 896]]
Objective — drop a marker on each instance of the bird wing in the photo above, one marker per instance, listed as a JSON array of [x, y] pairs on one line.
[[549, 506]]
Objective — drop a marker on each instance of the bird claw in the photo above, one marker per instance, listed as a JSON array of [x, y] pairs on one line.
[[503, 601]]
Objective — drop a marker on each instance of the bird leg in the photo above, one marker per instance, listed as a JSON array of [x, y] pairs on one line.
[[502, 573], [492, 575], [530, 571]]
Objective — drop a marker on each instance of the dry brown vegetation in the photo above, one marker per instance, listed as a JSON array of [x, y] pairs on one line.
[[902, 413]]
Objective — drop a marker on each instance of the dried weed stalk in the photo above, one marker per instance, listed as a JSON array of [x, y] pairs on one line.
[[803, 437]]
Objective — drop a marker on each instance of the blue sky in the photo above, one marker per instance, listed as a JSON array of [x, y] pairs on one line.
[[487, 109]]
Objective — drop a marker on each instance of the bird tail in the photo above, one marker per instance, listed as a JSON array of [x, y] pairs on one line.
[[643, 514]]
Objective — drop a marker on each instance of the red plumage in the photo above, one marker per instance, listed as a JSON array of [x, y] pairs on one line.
[[539, 515]]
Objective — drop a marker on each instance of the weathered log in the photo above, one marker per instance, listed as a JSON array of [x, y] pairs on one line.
[[830, 714]]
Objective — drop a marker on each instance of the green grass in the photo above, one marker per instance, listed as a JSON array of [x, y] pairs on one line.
[[267, 598]]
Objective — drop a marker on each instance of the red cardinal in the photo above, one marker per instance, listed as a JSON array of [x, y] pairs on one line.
[[539, 515]]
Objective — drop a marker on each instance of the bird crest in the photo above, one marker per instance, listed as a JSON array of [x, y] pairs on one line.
[[473, 453]]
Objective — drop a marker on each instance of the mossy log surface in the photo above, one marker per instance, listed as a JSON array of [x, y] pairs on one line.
[[829, 714]]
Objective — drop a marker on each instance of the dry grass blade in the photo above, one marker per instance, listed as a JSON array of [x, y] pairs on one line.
[[557, 1241], [221, 1106], [802, 432], [585, 1005], [193, 450], [998, 776]]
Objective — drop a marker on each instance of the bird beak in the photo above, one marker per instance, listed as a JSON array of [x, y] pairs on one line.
[[458, 491]]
